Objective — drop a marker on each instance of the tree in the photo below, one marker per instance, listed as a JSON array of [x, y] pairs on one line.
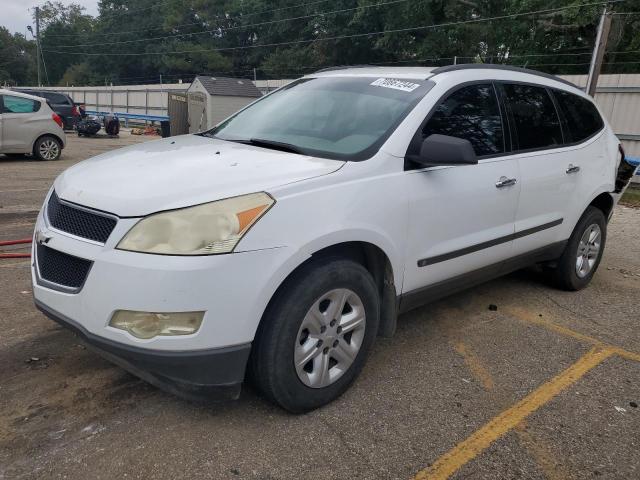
[[134, 41], [17, 59], [58, 21], [79, 74]]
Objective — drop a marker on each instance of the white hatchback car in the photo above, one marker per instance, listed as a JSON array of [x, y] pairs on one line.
[[28, 126], [285, 239]]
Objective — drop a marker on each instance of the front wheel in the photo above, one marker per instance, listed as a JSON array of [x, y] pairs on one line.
[[316, 334], [581, 257], [47, 148]]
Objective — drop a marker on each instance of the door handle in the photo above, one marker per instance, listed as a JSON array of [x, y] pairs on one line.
[[505, 182], [573, 168]]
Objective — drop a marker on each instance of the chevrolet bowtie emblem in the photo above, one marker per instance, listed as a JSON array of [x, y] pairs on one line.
[[41, 237]]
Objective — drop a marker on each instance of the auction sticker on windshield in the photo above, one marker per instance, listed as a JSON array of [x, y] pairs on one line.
[[395, 84]]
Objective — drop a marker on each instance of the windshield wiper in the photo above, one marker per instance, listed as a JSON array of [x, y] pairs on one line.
[[285, 147], [262, 142]]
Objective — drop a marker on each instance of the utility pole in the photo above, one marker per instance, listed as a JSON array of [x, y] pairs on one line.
[[598, 51], [38, 43]]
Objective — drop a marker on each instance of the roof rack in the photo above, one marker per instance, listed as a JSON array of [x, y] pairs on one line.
[[343, 67], [492, 66]]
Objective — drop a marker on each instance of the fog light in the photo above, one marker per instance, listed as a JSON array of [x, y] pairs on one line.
[[149, 325]]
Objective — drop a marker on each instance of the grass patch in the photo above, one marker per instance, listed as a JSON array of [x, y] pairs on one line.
[[631, 197]]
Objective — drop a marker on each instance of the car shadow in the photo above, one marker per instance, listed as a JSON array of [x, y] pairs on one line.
[[8, 158]]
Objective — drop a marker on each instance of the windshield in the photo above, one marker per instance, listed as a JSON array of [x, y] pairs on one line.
[[343, 118]]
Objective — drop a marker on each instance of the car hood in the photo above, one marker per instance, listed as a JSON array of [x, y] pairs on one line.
[[181, 171]]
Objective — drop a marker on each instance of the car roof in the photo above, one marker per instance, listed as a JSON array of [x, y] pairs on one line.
[[455, 74], [39, 92], [4, 91], [416, 73]]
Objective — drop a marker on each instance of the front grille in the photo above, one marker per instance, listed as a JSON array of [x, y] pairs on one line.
[[61, 268], [78, 221]]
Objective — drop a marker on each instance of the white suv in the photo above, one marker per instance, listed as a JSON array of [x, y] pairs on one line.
[[29, 126], [285, 239]]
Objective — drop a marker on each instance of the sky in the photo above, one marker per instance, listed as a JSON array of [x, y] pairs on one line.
[[17, 14]]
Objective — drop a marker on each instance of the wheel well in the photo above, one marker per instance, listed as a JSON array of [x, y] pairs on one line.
[[366, 254], [375, 260], [47, 135], [377, 264], [604, 202]]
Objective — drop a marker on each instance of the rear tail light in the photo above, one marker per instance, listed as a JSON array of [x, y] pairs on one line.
[[74, 111], [56, 118]]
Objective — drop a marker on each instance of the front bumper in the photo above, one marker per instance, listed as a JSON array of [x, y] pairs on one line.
[[233, 290], [195, 375]]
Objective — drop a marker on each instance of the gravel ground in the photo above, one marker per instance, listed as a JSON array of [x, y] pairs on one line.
[[452, 367]]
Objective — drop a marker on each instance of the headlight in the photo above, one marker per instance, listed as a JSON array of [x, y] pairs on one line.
[[205, 229]]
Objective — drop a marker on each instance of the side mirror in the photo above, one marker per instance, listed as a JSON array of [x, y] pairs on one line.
[[439, 149]]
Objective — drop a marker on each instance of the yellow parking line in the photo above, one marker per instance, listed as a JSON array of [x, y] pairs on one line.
[[529, 317], [470, 448], [541, 454], [475, 365], [627, 354]]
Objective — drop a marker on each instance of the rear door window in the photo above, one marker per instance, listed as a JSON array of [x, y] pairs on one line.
[[13, 104], [536, 122], [582, 117], [471, 113]]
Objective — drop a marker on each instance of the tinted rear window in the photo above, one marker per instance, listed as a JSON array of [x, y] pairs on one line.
[[56, 98], [536, 121], [583, 119]]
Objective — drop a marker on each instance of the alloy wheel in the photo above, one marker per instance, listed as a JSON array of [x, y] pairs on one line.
[[49, 149], [329, 338], [588, 250]]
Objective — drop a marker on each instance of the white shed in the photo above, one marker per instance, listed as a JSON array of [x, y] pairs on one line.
[[212, 99]]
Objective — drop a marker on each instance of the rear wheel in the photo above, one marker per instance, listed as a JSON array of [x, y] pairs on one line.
[[315, 337], [581, 257], [47, 148]]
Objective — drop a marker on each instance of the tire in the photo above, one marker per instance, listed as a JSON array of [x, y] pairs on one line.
[[289, 332], [47, 147], [572, 273]]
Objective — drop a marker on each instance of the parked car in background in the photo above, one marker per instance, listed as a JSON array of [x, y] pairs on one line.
[[29, 126], [61, 103], [285, 239]]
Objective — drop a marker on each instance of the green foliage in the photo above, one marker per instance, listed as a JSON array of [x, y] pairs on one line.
[[79, 74], [286, 38], [17, 59]]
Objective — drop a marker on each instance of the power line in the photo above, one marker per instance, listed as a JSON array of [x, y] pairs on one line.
[[224, 29], [242, 15], [342, 37]]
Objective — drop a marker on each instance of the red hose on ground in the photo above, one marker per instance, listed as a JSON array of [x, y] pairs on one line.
[[15, 242]]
